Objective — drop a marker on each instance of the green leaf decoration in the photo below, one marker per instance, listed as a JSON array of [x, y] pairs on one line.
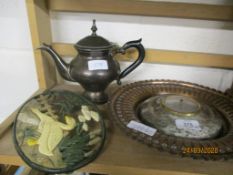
[[74, 146], [66, 102]]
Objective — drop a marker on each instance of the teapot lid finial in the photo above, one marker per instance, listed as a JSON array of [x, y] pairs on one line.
[[93, 41], [94, 28]]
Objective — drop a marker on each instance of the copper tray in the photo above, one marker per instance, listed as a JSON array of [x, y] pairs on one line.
[[124, 102]]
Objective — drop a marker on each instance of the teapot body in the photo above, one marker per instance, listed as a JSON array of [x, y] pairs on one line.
[[95, 67], [94, 71]]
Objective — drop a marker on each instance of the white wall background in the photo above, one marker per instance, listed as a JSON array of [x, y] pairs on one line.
[[17, 70]]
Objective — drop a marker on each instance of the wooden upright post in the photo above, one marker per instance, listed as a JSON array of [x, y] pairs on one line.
[[39, 22]]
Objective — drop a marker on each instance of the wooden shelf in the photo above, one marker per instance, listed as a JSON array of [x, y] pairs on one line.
[[148, 8], [163, 57], [122, 155], [38, 12]]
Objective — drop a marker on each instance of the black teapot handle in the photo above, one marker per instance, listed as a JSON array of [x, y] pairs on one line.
[[132, 44]]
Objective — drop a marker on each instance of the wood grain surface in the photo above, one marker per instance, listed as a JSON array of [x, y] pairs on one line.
[[149, 8]]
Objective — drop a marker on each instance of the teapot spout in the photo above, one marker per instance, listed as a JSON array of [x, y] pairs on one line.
[[62, 67]]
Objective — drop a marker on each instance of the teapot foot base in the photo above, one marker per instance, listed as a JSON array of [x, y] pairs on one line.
[[96, 97]]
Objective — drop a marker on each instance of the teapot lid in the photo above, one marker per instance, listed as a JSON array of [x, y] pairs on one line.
[[93, 41]]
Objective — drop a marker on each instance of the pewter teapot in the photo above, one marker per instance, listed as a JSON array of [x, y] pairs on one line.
[[95, 67]]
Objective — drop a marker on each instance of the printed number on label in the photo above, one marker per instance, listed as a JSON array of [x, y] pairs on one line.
[[188, 124]]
